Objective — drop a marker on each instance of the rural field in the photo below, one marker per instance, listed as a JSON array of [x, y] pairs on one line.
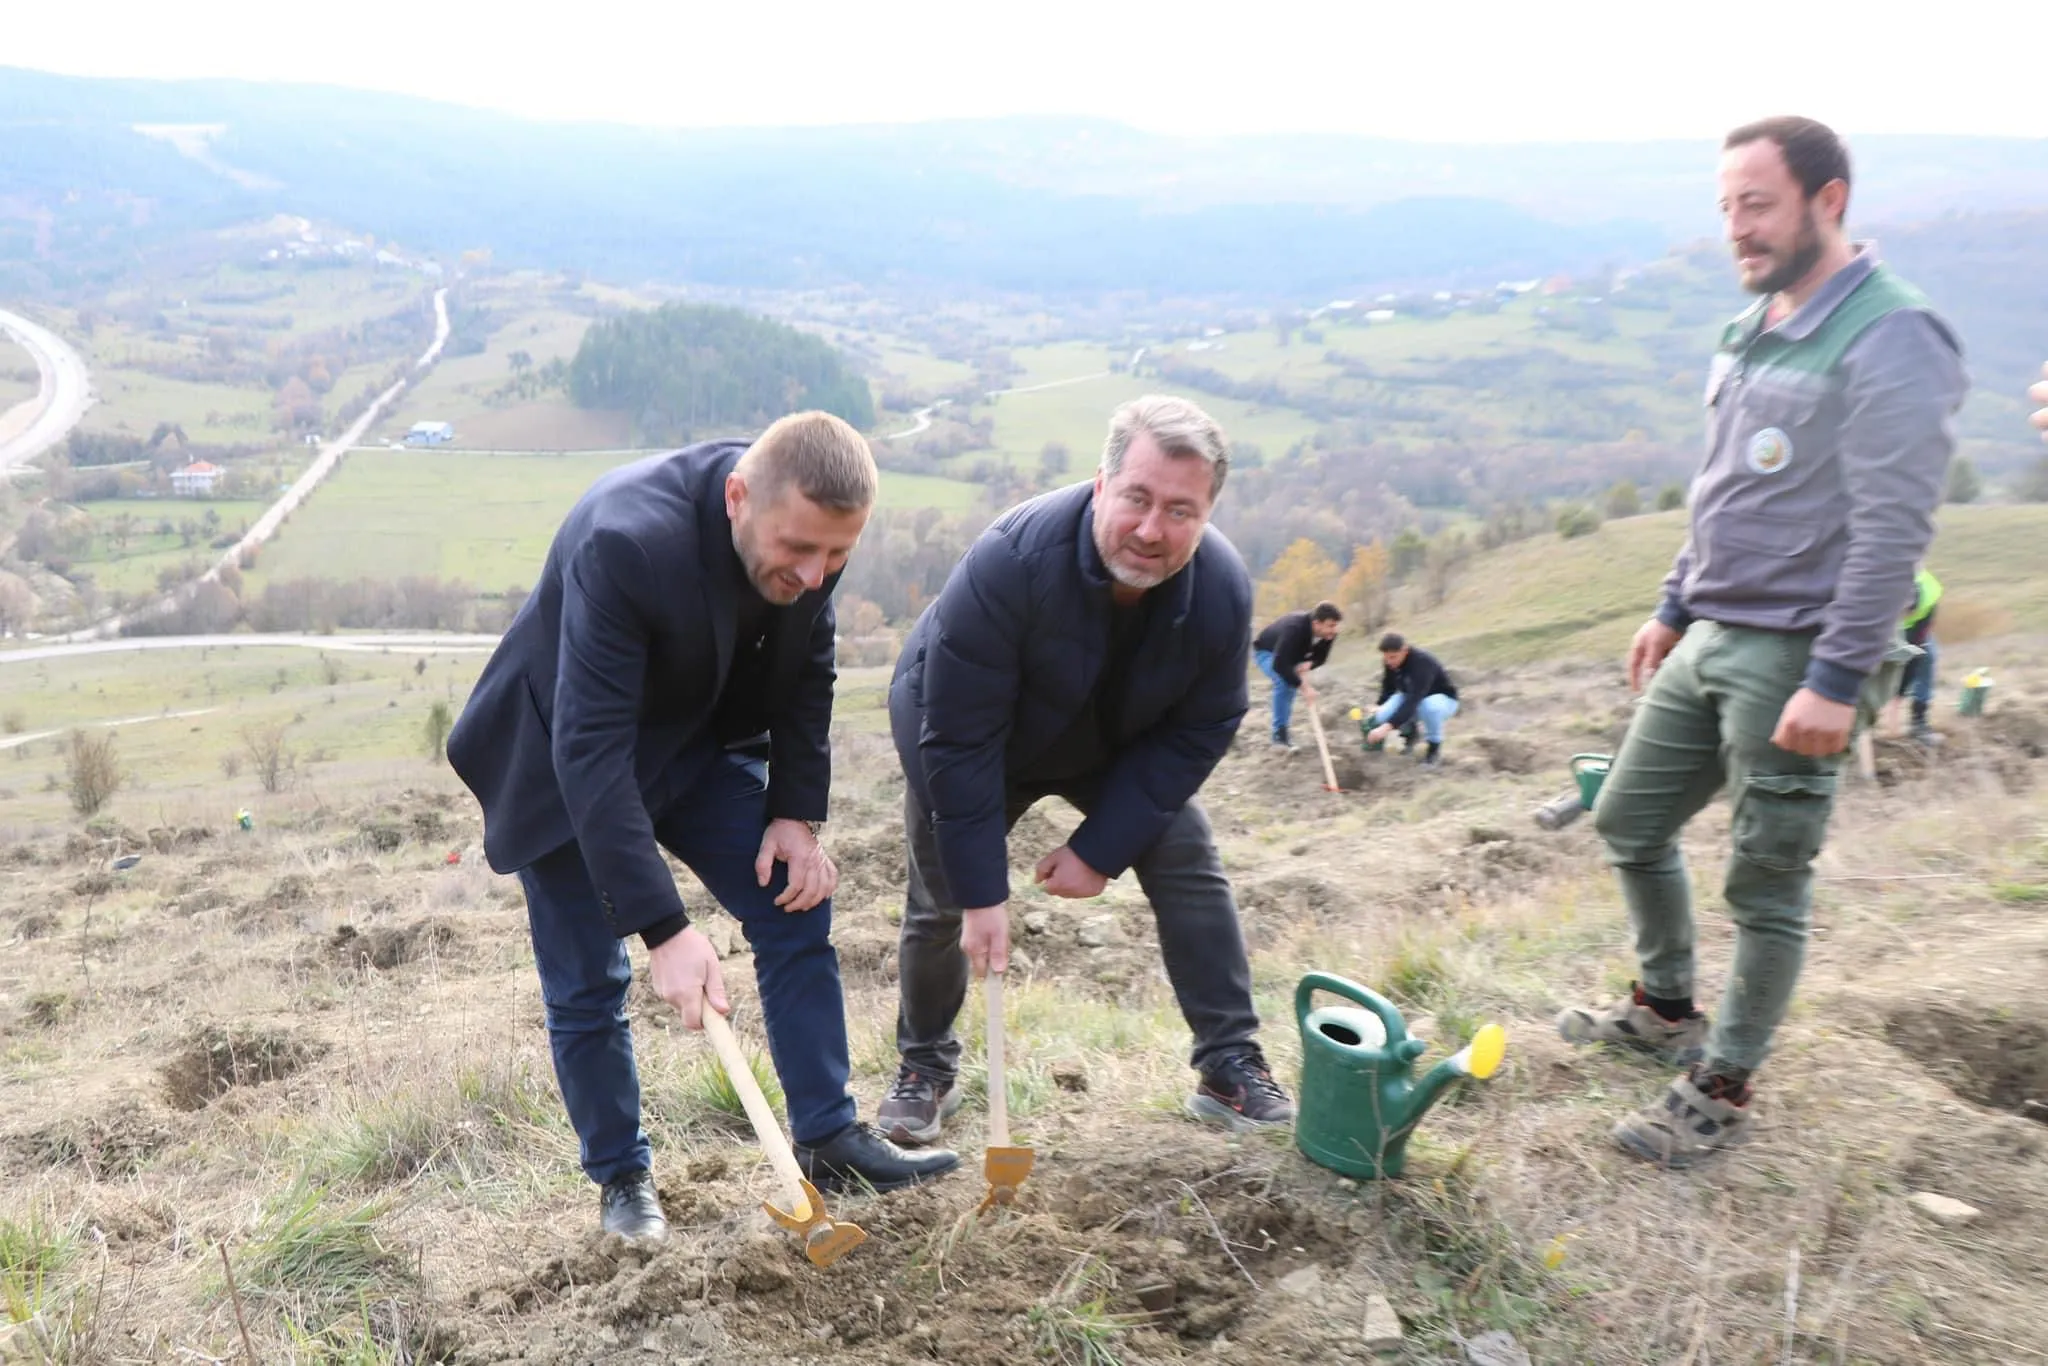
[[310, 1054], [484, 519]]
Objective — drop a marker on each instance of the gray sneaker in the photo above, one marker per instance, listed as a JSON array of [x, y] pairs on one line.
[[1696, 1117], [1631, 1023], [916, 1107]]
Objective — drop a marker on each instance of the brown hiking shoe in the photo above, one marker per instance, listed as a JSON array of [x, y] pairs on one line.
[[1696, 1117], [1632, 1023]]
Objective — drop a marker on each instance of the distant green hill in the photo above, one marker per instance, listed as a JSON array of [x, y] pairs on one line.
[[1554, 599]]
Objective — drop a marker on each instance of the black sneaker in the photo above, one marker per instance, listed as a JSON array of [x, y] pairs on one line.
[[1239, 1092], [630, 1208], [1280, 740], [1433, 757], [1409, 735], [916, 1107]]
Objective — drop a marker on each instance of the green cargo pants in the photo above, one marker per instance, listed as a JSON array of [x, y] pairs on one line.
[[1706, 722]]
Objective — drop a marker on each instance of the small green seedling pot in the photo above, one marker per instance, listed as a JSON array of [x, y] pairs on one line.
[[1976, 692], [1359, 1098], [1589, 771]]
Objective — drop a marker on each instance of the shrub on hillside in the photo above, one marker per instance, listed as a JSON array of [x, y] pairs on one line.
[[1578, 519], [92, 771]]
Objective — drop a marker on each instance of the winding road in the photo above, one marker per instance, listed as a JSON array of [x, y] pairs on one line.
[[391, 642], [31, 427]]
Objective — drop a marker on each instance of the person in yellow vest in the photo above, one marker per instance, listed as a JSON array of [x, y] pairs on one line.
[[1918, 680]]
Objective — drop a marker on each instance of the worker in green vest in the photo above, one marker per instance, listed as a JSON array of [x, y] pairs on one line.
[[1830, 410], [1918, 680]]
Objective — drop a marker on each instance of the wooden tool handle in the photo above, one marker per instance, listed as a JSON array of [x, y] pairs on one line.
[[998, 1089], [766, 1128], [1322, 747]]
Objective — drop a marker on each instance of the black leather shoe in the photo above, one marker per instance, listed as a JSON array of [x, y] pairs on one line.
[[857, 1156], [632, 1210]]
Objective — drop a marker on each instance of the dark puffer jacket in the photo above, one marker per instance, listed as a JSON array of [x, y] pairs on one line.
[[1006, 658]]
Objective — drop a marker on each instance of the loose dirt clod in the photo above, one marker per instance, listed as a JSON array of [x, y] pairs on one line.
[[389, 946]]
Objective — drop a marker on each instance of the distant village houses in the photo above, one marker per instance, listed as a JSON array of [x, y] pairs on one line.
[[196, 480], [430, 434]]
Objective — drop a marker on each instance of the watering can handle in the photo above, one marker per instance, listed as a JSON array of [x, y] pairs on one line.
[[1397, 1028], [1579, 761]]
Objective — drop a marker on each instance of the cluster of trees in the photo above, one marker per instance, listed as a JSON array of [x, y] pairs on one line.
[[528, 381], [1341, 496], [318, 605], [683, 369]]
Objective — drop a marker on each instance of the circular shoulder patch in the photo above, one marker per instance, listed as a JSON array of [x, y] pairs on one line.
[[1770, 450]]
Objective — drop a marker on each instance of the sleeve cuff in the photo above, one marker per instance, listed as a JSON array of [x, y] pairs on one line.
[[1088, 845], [1835, 682], [661, 931], [1673, 614]]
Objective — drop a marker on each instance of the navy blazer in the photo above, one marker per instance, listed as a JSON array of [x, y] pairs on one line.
[[613, 666], [1008, 654]]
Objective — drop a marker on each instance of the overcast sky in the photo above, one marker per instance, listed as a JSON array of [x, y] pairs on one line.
[[1476, 70]]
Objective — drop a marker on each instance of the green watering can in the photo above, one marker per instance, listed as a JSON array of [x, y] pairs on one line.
[[1589, 771], [1359, 1101]]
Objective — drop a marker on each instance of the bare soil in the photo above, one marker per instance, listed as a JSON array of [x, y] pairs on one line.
[[343, 1001]]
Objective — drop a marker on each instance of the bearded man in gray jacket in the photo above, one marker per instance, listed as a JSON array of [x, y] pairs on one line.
[[1829, 409]]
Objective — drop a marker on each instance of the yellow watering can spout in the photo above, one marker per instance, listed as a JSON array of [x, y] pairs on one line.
[[1482, 1057]]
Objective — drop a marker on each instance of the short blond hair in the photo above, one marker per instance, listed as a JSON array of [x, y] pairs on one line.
[[1179, 427], [820, 455]]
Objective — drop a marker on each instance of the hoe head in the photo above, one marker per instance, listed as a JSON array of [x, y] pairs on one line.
[[825, 1239], [1005, 1169]]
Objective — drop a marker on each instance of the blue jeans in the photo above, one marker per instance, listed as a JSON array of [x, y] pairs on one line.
[[713, 824], [1918, 680], [1283, 691], [1436, 709]]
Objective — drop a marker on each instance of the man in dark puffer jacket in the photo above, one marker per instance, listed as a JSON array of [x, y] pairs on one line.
[[1091, 645]]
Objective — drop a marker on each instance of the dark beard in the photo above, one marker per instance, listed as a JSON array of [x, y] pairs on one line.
[[1805, 255]]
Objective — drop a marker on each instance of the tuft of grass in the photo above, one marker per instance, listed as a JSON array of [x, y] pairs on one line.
[[312, 1258], [1074, 1325], [376, 1334], [47, 1318], [698, 1091], [34, 1249], [2020, 893], [470, 1129], [1470, 1266], [1418, 975], [1027, 1083]]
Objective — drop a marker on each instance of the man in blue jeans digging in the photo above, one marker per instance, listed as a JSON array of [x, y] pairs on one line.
[[1830, 408], [1415, 691], [681, 634], [1286, 652]]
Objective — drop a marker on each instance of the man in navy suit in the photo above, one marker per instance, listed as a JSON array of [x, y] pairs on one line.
[[681, 634]]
